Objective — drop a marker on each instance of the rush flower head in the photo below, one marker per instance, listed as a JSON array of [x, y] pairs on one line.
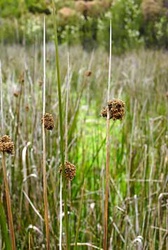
[[88, 73], [116, 109], [48, 121], [69, 170], [6, 145], [21, 78]]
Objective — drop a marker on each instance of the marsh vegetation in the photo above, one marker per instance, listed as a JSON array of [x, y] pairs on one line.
[[138, 190]]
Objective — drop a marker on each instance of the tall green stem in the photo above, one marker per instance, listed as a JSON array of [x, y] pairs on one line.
[[61, 127]]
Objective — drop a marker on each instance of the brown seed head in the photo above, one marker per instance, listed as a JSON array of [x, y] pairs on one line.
[[21, 78], [6, 145], [16, 93], [40, 82], [69, 171], [116, 109], [48, 121], [88, 73], [27, 108]]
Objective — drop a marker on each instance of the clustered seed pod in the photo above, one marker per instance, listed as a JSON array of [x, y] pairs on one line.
[[6, 145], [88, 73], [16, 93], [116, 109], [69, 171], [21, 78], [48, 121], [40, 82]]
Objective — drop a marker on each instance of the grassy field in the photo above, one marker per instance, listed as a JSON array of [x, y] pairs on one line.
[[138, 188]]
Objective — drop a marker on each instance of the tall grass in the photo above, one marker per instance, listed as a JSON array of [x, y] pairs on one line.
[[139, 165], [45, 195], [63, 183], [107, 171]]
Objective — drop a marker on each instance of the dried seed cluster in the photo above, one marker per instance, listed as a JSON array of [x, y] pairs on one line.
[[6, 145], [70, 171], [88, 73], [48, 121], [21, 78], [116, 109]]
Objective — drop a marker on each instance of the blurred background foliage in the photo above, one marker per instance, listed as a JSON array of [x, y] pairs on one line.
[[135, 23]]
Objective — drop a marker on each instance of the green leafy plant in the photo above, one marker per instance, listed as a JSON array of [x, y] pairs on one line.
[[126, 19]]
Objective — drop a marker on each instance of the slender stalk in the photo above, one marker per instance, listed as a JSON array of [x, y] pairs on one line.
[[8, 202], [79, 217], [139, 243], [66, 110], [1, 93], [60, 225], [105, 245], [61, 128], [46, 219], [66, 122], [105, 240], [4, 229], [110, 63]]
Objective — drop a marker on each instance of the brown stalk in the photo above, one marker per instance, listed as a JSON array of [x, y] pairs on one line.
[[46, 219], [8, 202], [45, 192], [114, 110], [105, 245]]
